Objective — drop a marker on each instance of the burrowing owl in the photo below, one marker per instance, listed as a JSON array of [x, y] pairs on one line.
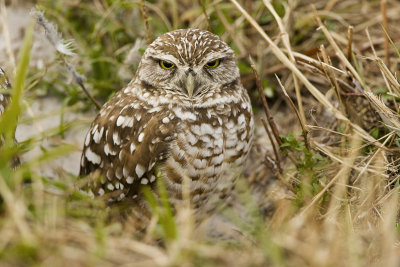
[[185, 113]]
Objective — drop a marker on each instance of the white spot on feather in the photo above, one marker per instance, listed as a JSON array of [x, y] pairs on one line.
[[108, 151], [125, 172], [240, 146], [191, 138], [121, 196], [140, 170], [243, 135], [87, 140], [120, 120], [241, 119], [217, 160], [185, 115], [230, 124], [101, 191], [205, 139], [128, 123], [251, 123], [108, 174], [92, 157], [206, 129], [218, 142], [98, 135], [195, 129], [230, 153], [230, 143], [110, 186], [140, 137], [199, 163], [116, 138], [95, 128], [155, 109]]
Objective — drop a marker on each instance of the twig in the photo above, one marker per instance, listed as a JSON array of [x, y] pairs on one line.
[[203, 6], [338, 51], [386, 74], [79, 79], [277, 157], [349, 43], [310, 87], [332, 78], [277, 141], [277, 172], [270, 118], [286, 43], [146, 21], [385, 26], [283, 58], [303, 127]]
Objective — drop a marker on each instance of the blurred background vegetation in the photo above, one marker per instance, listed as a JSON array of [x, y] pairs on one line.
[[110, 36]]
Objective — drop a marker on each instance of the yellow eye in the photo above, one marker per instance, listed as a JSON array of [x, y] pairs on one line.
[[166, 65], [213, 64]]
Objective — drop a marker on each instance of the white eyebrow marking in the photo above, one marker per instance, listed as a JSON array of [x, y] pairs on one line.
[[168, 58]]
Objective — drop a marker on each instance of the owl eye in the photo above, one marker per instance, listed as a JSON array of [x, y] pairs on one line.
[[166, 65], [213, 64]]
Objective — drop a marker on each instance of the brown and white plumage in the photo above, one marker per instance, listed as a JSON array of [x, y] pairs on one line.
[[5, 99], [4, 85], [193, 120]]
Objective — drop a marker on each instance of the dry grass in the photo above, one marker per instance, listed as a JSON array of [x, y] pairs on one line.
[[334, 203]]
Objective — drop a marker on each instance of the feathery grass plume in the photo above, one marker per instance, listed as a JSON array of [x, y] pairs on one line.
[[52, 34], [63, 48]]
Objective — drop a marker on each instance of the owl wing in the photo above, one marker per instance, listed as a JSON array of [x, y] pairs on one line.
[[124, 143]]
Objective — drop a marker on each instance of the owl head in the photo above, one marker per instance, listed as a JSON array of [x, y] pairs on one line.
[[188, 63]]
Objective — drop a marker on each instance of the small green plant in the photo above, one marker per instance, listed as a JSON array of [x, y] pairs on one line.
[[307, 163]]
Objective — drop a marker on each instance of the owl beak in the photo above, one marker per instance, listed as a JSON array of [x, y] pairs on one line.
[[190, 84]]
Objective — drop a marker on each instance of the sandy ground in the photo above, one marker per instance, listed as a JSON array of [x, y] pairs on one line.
[[74, 136]]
